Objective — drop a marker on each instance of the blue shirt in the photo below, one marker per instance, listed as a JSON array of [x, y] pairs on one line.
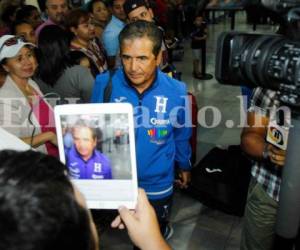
[[110, 36], [97, 167], [159, 142]]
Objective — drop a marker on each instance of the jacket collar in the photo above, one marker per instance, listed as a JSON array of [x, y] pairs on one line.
[[128, 83]]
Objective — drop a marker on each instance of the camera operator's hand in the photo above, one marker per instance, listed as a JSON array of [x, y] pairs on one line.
[[142, 225], [276, 155]]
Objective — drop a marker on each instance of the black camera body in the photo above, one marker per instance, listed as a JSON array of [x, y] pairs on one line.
[[272, 62], [267, 61]]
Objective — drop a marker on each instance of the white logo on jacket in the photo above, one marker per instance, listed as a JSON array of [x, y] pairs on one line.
[[120, 99], [161, 104], [97, 167]]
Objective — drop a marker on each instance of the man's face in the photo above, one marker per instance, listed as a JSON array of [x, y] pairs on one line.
[[141, 13], [139, 62], [84, 142], [117, 9], [57, 10]]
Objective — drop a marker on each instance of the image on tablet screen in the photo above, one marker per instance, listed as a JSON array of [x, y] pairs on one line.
[[96, 146]]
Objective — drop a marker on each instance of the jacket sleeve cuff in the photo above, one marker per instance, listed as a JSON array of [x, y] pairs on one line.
[[185, 166]]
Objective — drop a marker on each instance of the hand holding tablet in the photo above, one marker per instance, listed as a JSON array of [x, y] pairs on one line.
[[96, 142], [142, 224]]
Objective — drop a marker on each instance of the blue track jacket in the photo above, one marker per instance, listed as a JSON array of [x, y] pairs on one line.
[[162, 128]]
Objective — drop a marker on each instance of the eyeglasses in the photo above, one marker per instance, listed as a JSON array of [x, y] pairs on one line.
[[12, 41]]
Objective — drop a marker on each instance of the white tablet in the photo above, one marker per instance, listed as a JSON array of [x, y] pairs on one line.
[[96, 142]]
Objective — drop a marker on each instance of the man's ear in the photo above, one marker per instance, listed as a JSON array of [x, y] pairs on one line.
[[159, 58], [151, 13]]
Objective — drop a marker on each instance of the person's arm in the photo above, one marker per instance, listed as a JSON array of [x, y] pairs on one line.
[[85, 83], [182, 136], [253, 136], [183, 149], [111, 45], [253, 140], [204, 36], [141, 224], [184, 179], [40, 139], [200, 38], [15, 120]]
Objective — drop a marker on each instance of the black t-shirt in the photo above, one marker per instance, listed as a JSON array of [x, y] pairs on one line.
[[198, 32]]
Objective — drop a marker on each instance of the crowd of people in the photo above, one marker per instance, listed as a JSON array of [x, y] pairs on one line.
[[67, 55], [71, 53]]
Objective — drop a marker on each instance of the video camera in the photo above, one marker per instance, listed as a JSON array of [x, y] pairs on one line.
[[268, 61], [272, 62]]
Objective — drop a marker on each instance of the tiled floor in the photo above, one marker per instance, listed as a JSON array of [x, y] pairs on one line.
[[196, 226]]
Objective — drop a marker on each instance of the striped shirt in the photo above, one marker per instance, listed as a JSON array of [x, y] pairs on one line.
[[96, 54], [266, 173]]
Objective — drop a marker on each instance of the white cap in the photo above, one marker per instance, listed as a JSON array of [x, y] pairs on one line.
[[8, 51]]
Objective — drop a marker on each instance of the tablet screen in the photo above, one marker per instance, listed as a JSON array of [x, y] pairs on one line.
[[98, 149]]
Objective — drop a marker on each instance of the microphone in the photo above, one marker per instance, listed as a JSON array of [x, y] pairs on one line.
[[278, 128]]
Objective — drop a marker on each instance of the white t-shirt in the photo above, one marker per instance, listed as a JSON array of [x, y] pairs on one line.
[[9, 141]]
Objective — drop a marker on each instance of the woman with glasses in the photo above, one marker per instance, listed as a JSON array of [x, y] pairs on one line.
[[24, 111], [84, 40]]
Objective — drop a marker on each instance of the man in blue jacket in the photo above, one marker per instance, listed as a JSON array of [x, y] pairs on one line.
[[83, 160], [162, 117]]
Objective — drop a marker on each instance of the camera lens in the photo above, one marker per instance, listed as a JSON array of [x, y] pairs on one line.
[[268, 61]]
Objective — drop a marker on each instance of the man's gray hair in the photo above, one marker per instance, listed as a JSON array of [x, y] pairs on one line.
[[81, 123], [141, 29]]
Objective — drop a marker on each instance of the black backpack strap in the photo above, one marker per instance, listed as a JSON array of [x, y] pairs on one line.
[[108, 88]]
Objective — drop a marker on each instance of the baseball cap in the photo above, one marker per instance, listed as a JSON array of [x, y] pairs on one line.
[[10, 46], [131, 5]]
